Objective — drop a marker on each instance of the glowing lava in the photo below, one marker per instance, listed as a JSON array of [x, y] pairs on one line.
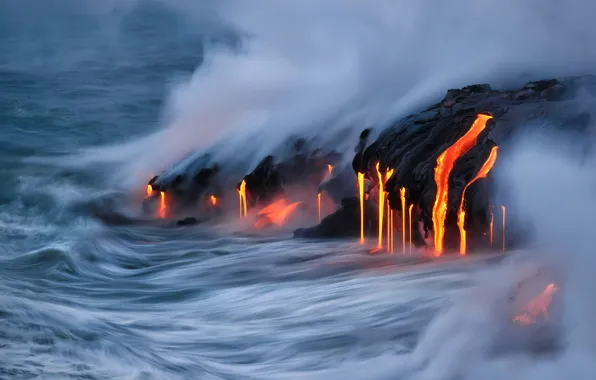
[[492, 221], [330, 168], [461, 214], [162, 205], [149, 190], [381, 207], [276, 213], [444, 166], [503, 209], [319, 205], [361, 192], [213, 200], [242, 197], [410, 224], [538, 306], [402, 195]]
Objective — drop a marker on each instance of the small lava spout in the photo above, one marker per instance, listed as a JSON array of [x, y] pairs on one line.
[[361, 192], [503, 210], [242, 197], [402, 194], [319, 205], [276, 213], [381, 206], [149, 190], [330, 168], [538, 306], [444, 166], [492, 222], [213, 200], [410, 224], [162, 205], [461, 214]]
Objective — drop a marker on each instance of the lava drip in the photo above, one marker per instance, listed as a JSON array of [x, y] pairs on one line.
[[492, 222], [213, 200], [461, 213], [330, 168], [381, 206], [402, 195], [149, 190], [410, 224], [503, 210], [361, 192], [162, 205], [445, 164], [242, 197], [319, 205]]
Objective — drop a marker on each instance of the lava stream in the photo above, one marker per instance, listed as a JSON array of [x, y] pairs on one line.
[[381, 206], [410, 225], [444, 166], [149, 190], [319, 205], [213, 200], [402, 194], [503, 209], [492, 221], [162, 205], [461, 214], [361, 192], [242, 197], [330, 168]]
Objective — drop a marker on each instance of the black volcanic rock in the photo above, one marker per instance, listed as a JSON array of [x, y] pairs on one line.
[[412, 145]]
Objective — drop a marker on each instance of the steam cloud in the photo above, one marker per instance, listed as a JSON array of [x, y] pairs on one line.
[[311, 68]]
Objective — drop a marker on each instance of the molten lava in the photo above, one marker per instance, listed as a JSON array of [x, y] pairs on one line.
[[444, 166], [149, 190], [213, 200], [503, 209], [410, 224], [242, 197], [492, 221], [361, 192], [275, 213], [162, 205], [319, 205], [402, 194], [330, 168], [538, 306], [381, 206], [461, 214]]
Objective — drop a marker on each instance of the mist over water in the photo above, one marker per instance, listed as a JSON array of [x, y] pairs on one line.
[[117, 91], [312, 68]]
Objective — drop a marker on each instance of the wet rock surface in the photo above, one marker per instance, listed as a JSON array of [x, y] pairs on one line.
[[412, 145]]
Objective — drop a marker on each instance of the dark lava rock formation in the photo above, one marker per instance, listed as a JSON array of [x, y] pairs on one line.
[[412, 145]]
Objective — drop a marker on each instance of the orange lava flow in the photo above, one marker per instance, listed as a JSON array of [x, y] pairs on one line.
[[537, 306], [444, 166], [276, 213], [162, 205], [361, 192], [330, 168], [149, 190], [503, 209], [461, 214], [390, 228], [402, 194], [319, 205], [242, 197], [492, 221], [213, 200], [410, 224], [381, 207]]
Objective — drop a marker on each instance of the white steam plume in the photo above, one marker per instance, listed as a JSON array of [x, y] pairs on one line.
[[310, 67]]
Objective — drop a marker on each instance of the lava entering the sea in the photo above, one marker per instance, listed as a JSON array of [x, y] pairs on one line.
[[537, 307], [444, 166], [275, 213], [149, 190], [213, 200], [410, 225], [461, 213], [402, 195]]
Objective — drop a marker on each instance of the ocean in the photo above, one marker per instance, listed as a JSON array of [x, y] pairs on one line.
[[80, 299]]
